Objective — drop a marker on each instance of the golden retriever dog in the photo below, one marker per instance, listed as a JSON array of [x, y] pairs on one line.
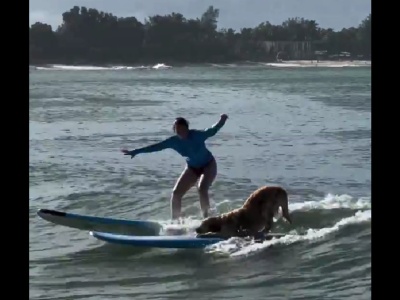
[[255, 215]]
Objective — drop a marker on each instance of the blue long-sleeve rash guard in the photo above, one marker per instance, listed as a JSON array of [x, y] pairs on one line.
[[193, 148]]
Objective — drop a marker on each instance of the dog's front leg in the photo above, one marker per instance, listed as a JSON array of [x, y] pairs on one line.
[[263, 234], [243, 233], [268, 225]]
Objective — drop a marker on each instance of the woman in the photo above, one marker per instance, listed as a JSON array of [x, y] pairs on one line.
[[200, 163]]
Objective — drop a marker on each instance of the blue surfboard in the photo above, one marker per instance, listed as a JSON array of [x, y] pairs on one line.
[[186, 242], [182, 242], [102, 224]]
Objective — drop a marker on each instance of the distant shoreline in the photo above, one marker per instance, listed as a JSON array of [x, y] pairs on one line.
[[89, 37], [160, 65], [322, 63]]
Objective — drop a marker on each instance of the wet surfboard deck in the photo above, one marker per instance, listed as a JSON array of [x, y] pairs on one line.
[[160, 241], [101, 224]]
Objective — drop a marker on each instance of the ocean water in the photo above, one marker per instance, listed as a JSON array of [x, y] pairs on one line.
[[304, 128]]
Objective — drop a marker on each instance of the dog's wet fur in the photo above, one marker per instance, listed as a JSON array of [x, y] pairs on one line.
[[255, 216]]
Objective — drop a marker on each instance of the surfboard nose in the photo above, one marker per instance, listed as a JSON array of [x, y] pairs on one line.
[[50, 212]]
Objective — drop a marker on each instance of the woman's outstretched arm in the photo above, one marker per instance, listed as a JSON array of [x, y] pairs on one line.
[[211, 131], [152, 148]]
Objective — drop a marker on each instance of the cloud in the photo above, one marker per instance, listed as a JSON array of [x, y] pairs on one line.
[[45, 17]]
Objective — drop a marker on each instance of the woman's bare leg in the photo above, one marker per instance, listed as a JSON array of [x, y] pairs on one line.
[[206, 180], [187, 179]]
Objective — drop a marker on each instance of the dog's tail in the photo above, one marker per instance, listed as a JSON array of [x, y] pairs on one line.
[[283, 201]]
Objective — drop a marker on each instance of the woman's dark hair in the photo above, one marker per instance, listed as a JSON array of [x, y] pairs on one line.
[[181, 121]]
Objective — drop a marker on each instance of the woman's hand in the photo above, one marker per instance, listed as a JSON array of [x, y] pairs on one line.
[[224, 117], [127, 152]]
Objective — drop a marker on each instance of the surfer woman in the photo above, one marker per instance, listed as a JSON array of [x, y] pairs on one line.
[[200, 163]]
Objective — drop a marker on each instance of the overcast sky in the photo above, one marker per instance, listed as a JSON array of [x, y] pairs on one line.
[[234, 14]]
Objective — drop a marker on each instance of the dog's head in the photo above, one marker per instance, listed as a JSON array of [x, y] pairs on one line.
[[211, 224], [285, 210], [271, 209]]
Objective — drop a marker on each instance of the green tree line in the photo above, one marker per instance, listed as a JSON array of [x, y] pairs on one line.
[[92, 36]]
